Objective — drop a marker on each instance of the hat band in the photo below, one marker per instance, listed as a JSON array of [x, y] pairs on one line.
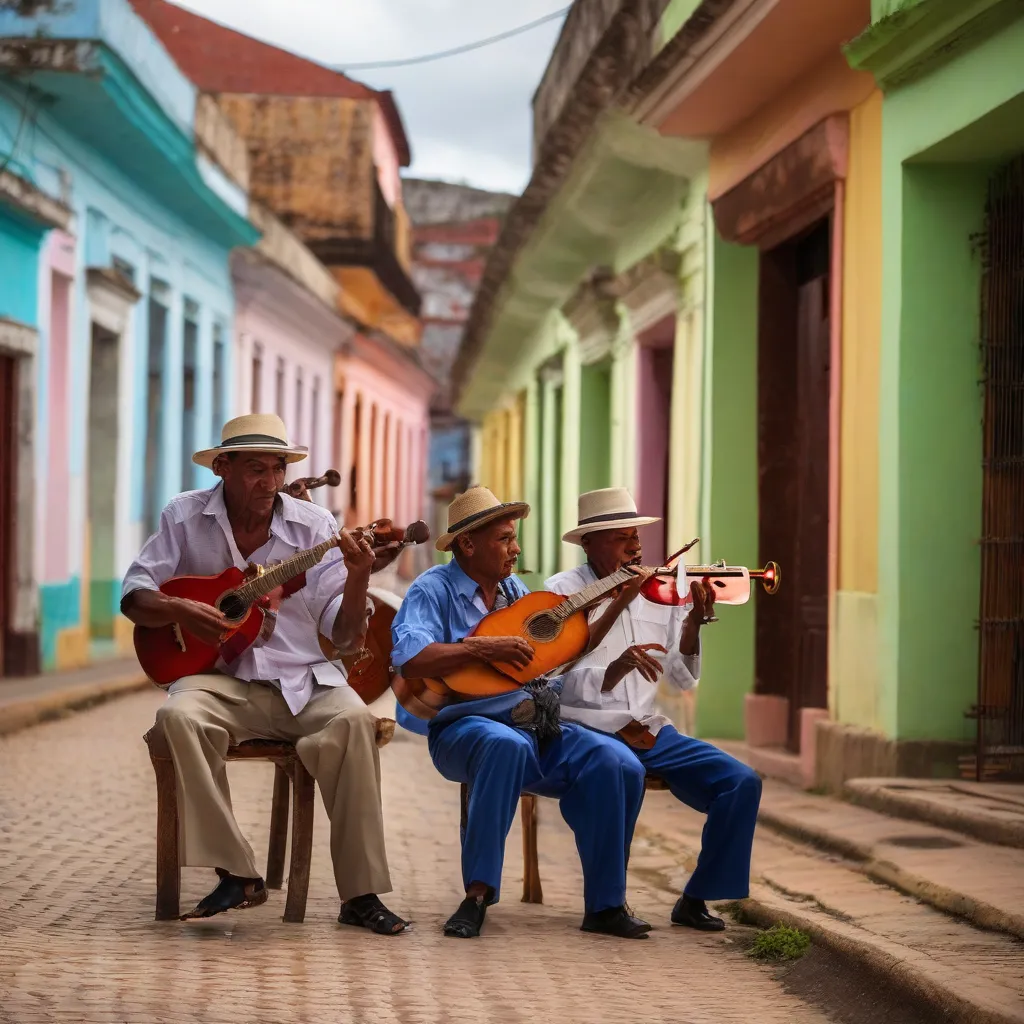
[[470, 520], [609, 517], [250, 439]]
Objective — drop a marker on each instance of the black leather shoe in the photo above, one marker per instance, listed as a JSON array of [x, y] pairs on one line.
[[232, 893], [617, 921], [691, 913]]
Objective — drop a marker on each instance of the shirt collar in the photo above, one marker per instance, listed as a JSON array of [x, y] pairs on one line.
[[285, 511], [464, 585]]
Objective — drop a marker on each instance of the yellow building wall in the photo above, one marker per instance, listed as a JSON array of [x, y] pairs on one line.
[[854, 670]]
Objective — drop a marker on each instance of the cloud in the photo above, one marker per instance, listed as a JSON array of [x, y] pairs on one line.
[[468, 116]]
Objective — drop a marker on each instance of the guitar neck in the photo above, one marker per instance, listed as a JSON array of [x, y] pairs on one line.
[[287, 570], [592, 594]]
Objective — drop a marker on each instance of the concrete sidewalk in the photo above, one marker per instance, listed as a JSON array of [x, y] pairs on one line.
[[33, 699], [831, 890]]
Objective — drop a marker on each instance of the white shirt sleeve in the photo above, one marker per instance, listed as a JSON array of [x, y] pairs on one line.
[[681, 670], [159, 558]]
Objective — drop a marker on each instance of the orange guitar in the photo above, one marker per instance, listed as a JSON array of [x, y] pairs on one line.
[[167, 653], [555, 626]]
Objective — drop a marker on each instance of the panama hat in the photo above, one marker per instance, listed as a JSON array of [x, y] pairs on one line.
[[475, 508], [261, 433], [611, 508]]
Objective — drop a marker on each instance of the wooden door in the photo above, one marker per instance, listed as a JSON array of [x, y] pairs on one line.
[[793, 472], [8, 419]]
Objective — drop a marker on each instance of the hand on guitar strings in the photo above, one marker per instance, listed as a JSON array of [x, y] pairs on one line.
[[509, 650], [203, 621], [358, 555], [632, 659]]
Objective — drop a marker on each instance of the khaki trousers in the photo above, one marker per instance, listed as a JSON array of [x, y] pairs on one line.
[[334, 737]]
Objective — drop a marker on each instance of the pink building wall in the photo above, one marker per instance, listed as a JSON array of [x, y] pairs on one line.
[[385, 158]]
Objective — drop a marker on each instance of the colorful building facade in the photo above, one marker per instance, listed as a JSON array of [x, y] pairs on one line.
[[134, 303]]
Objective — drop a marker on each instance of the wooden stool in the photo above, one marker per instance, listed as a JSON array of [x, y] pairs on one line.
[[289, 770], [533, 892]]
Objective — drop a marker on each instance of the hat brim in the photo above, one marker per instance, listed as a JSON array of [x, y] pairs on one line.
[[291, 453], [576, 536], [508, 510]]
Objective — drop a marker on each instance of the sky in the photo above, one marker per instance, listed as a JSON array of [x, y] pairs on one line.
[[468, 117]]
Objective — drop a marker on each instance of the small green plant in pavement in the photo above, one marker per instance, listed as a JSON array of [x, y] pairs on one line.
[[780, 943]]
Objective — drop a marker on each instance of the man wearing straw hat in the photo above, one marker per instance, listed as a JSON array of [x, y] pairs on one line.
[[500, 746], [282, 689], [612, 690]]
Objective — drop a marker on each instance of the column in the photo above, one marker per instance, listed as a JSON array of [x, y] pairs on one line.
[[391, 494], [173, 399], [568, 491], [549, 512], [206, 431], [364, 465], [413, 499], [531, 470]]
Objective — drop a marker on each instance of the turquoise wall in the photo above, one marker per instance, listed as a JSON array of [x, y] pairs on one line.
[[20, 241], [730, 527], [60, 606]]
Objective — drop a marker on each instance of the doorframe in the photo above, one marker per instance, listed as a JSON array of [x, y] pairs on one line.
[[800, 185], [21, 640]]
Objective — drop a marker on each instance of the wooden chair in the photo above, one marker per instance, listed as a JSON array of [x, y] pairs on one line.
[[533, 892], [290, 770]]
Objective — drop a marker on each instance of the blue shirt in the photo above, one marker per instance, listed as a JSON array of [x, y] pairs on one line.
[[442, 607]]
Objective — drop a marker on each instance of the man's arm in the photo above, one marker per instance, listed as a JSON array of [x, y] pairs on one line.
[[420, 650], [143, 604], [348, 632]]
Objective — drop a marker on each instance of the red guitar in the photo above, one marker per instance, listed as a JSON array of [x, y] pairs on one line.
[[167, 653]]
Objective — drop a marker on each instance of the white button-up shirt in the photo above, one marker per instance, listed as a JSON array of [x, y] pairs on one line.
[[195, 539], [642, 622]]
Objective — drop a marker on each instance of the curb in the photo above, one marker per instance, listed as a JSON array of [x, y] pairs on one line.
[[983, 915], [838, 937], [927, 811], [24, 714]]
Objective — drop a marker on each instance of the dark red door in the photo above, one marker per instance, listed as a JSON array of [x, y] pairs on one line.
[[793, 471], [8, 414]]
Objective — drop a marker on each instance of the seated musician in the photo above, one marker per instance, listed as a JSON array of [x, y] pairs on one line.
[[282, 689], [500, 746], [612, 690]]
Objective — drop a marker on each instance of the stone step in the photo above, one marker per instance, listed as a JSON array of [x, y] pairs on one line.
[[963, 973], [990, 811]]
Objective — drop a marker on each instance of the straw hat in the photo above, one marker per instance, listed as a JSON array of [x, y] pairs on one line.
[[477, 507], [612, 508], [260, 432]]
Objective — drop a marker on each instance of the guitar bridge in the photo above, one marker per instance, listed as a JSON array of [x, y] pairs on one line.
[[178, 637]]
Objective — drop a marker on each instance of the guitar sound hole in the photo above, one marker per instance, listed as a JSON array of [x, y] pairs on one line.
[[232, 607], [543, 627]]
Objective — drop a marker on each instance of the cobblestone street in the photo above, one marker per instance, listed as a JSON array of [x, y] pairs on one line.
[[77, 821]]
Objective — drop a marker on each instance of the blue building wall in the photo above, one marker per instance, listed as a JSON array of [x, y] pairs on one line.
[[20, 240], [140, 208]]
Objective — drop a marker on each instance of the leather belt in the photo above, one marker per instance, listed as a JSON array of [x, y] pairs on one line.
[[637, 736]]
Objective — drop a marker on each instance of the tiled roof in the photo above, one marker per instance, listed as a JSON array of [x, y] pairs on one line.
[[218, 59]]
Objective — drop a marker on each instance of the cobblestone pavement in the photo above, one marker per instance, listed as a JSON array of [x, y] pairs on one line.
[[79, 943]]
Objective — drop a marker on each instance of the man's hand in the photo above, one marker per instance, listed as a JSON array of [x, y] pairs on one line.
[[384, 555], [203, 621], [510, 650], [703, 597], [633, 658], [358, 555]]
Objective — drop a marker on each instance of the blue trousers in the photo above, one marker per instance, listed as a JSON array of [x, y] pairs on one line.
[[598, 782], [728, 792]]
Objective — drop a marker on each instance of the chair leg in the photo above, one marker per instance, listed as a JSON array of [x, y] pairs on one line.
[[463, 811], [168, 863], [532, 891], [278, 829], [302, 843]]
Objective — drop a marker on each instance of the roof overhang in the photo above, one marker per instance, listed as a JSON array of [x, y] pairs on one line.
[[89, 90], [621, 199], [755, 49]]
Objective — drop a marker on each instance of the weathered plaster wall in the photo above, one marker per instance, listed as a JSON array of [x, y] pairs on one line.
[[929, 396], [829, 88], [730, 520]]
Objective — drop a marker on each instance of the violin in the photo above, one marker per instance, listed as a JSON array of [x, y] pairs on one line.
[[670, 584], [299, 488]]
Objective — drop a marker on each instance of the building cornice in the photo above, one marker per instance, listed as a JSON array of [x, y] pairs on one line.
[[923, 34]]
